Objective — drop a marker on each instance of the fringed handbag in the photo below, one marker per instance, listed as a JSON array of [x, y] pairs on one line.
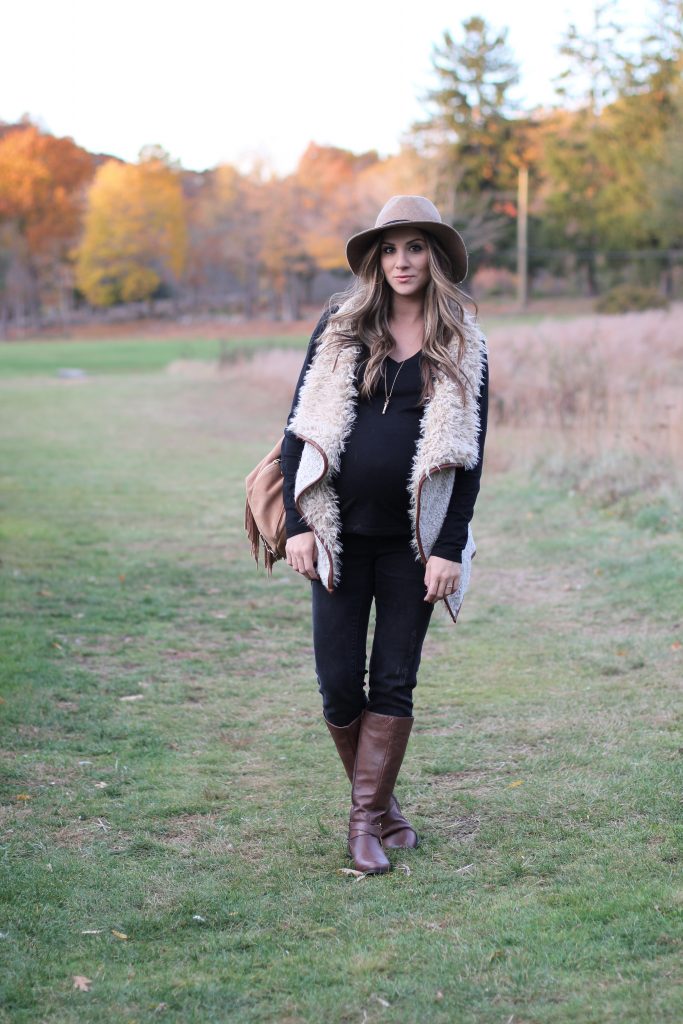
[[264, 513]]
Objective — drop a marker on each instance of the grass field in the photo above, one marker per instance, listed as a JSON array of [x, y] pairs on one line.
[[173, 812]]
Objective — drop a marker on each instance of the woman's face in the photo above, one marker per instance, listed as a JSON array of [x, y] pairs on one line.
[[405, 260]]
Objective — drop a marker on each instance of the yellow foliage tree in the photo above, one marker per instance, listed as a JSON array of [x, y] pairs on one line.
[[135, 235]]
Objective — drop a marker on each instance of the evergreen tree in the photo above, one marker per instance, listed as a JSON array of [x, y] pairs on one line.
[[469, 132]]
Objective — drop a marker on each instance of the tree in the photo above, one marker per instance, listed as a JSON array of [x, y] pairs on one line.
[[330, 203], [469, 124], [470, 133], [601, 158], [667, 182], [135, 233], [579, 142], [43, 181]]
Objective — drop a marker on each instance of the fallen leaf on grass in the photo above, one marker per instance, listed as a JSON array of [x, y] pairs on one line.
[[350, 871], [101, 785], [133, 696], [118, 935], [382, 1002], [45, 593], [23, 796], [517, 782], [82, 983], [676, 645], [404, 868]]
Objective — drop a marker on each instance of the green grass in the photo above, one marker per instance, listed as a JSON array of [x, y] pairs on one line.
[[144, 355], [205, 821], [149, 355]]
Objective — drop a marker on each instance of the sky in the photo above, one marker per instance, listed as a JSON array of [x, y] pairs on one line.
[[213, 81]]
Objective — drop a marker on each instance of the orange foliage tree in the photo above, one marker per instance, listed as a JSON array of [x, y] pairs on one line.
[[43, 181]]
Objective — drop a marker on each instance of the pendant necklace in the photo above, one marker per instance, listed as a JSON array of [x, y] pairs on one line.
[[387, 397]]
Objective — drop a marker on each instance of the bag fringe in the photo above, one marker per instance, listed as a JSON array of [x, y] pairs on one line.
[[252, 532], [256, 541]]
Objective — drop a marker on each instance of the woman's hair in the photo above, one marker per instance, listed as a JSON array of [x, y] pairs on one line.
[[363, 315]]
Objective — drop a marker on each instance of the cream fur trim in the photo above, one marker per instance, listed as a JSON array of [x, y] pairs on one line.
[[324, 418]]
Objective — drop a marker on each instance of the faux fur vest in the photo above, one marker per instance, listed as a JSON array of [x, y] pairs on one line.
[[449, 434]]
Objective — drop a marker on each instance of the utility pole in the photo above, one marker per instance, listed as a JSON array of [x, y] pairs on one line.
[[522, 247]]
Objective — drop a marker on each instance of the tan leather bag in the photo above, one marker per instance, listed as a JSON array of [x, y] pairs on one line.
[[264, 513]]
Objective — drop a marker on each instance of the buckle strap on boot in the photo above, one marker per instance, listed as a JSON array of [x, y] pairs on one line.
[[359, 826]]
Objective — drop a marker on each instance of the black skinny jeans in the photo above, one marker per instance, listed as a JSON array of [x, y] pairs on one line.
[[383, 568]]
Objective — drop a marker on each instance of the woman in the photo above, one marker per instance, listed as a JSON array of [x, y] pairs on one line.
[[382, 459]]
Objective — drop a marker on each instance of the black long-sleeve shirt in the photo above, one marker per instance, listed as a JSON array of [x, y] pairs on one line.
[[372, 482]]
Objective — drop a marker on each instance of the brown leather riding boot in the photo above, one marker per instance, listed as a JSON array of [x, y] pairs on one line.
[[382, 743], [397, 832]]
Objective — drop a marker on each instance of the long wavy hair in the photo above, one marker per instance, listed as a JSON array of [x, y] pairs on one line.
[[362, 315]]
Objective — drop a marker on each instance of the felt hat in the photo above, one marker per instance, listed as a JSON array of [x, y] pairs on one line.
[[417, 212]]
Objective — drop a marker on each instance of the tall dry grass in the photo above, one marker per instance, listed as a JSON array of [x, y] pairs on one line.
[[597, 400]]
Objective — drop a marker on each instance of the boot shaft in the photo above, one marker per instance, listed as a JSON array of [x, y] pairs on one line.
[[382, 745]]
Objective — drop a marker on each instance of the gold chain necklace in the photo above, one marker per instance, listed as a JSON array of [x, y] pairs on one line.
[[387, 397]]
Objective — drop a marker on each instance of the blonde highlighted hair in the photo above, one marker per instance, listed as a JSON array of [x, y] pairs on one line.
[[363, 316]]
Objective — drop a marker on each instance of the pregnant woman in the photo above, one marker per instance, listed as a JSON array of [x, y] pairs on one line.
[[382, 459]]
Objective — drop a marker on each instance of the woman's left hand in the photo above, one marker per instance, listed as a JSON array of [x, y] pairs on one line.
[[441, 578]]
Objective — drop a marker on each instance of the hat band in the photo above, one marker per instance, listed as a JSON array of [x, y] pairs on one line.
[[402, 220]]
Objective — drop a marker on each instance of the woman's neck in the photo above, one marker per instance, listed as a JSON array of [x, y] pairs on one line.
[[406, 323]]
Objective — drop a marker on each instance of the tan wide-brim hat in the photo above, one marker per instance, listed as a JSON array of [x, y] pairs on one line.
[[417, 212]]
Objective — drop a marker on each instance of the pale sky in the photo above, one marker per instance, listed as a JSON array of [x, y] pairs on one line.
[[214, 81]]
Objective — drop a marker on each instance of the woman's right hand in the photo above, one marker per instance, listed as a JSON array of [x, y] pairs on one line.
[[300, 551]]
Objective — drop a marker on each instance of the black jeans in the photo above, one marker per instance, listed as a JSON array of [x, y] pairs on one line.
[[383, 568]]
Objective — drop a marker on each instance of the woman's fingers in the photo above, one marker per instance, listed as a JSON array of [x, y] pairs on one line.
[[439, 585], [301, 555], [308, 569]]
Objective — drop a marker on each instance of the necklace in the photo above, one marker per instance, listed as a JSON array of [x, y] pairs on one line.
[[387, 397]]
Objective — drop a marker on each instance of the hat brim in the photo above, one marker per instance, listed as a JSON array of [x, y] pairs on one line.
[[451, 242]]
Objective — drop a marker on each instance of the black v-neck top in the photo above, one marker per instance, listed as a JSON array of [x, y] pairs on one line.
[[372, 482], [375, 467]]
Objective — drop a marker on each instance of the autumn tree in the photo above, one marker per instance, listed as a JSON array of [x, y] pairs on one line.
[[327, 181], [134, 240], [43, 181]]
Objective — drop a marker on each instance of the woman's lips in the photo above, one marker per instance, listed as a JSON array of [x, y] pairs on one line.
[[404, 278]]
